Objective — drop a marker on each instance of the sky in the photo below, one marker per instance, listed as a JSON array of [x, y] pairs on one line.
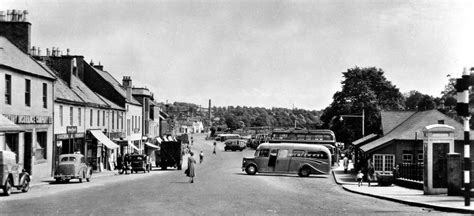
[[259, 53]]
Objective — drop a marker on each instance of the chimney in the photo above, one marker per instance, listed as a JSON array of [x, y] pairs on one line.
[[14, 27], [127, 84], [100, 67], [47, 52]]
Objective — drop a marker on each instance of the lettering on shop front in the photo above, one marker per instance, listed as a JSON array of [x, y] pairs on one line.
[[28, 119]]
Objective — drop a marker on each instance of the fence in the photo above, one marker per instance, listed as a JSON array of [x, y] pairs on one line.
[[411, 171]]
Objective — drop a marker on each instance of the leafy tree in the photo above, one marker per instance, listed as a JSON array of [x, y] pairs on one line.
[[412, 100], [362, 89], [231, 122], [426, 103]]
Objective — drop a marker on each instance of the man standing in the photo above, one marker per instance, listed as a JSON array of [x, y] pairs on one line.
[[345, 163], [214, 152]]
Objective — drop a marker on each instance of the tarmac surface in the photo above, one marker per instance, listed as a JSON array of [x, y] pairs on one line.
[[395, 193]]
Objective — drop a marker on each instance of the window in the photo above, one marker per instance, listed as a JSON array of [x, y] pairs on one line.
[[283, 153], [420, 157], [98, 117], [45, 95], [128, 127], [318, 154], [91, 118], [407, 158], [11, 142], [103, 118], [71, 113], [8, 89], [298, 153], [61, 115], [113, 119], [79, 117], [118, 120], [41, 144], [264, 152], [27, 92], [384, 162]]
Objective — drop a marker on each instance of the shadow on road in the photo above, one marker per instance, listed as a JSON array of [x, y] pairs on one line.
[[282, 175]]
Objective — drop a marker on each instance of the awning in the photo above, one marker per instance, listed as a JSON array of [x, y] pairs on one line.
[[165, 139], [103, 139], [133, 146], [159, 140], [151, 145], [7, 125]]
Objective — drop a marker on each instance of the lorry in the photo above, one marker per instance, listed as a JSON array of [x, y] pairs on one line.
[[170, 155]]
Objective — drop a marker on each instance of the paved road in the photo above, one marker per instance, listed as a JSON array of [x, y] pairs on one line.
[[220, 188]]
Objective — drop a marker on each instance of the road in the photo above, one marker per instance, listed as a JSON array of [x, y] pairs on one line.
[[220, 188]]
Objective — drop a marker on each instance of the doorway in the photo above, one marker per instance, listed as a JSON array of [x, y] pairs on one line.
[[28, 152]]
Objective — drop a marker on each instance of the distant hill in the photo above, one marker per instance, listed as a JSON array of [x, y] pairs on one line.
[[238, 117]]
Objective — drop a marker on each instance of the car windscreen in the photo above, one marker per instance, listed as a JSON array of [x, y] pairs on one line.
[[66, 159]]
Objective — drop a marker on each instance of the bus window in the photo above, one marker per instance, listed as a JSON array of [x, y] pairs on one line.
[[298, 153], [300, 137], [264, 152], [283, 153], [319, 154]]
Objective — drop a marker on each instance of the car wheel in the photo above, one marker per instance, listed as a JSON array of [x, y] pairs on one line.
[[80, 179], [304, 172], [7, 188], [88, 179], [26, 185], [251, 169]]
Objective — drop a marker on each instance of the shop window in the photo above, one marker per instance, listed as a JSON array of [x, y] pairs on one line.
[[41, 145], [27, 92], [11, 142], [45, 95], [8, 89]]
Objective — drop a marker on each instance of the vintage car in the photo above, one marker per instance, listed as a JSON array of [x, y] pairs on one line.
[[10, 174], [235, 144], [140, 163], [72, 166]]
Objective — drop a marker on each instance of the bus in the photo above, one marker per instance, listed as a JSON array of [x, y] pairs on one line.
[[288, 158], [318, 136]]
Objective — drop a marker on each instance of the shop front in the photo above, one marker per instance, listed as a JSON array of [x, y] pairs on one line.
[[101, 151]]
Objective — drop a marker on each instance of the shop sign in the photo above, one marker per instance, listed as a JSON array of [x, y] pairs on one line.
[[28, 119], [68, 136], [71, 129]]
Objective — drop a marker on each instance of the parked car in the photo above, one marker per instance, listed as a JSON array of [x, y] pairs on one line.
[[72, 166], [10, 174], [235, 144], [140, 163]]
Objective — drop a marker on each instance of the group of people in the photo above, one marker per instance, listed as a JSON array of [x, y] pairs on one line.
[[370, 175], [123, 163]]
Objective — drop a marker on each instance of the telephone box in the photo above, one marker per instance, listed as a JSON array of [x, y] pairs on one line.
[[438, 141]]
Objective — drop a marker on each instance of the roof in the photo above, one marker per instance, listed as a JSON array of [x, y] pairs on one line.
[[85, 92], [364, 139], [112, 104], [391, 119], [61, 88], [13, 57], [412, 129], [115, 84]]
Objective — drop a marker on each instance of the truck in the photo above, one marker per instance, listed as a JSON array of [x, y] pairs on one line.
[[170, 155]]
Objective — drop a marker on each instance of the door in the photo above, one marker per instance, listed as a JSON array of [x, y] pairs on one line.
[[283, 161], [272, 160], [28, 152]]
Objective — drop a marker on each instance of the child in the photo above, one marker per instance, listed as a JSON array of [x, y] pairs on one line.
[[201, 157], [360, 175]]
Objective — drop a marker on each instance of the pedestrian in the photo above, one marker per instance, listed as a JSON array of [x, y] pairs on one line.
[[127, 163], [359, 178], [119, 163], [214, 151], [396, 171], [370, 172], [191, 163], [201, 157], [345, 163]]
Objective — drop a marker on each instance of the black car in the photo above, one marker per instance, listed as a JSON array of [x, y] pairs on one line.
[[235, 144]]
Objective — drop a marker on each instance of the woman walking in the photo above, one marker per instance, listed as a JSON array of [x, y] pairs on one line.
[[191, 163]]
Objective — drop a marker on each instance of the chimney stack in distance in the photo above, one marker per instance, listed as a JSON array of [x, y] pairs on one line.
[[127, 84]]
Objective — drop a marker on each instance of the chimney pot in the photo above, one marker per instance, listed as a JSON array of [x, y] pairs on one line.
[[39, 51], [67, 51], [47, 52]]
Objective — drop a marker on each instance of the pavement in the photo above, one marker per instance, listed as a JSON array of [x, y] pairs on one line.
[[395, 193]]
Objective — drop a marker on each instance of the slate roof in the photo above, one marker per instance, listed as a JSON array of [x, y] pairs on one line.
[[412, 128], [86, 93], [12, 57], [116, 85], [364, 139], [61, 88], [391, 119], [110, 103]]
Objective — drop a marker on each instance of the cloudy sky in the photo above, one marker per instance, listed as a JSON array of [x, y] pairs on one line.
[[260, 53]]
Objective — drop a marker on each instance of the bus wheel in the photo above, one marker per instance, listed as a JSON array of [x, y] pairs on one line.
[[251, 169], [304, 172]]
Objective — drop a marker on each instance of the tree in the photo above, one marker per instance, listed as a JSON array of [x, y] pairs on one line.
[[231, 122], [362, 89], [412, 100], [426, 103]]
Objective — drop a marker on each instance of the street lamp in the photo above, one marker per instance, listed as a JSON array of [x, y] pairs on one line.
[[357, 116]]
